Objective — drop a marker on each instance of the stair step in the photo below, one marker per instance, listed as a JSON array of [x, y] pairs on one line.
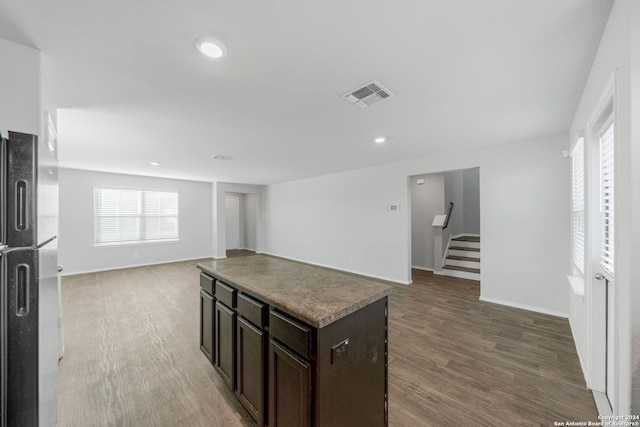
[[467, 269], [467, 239], [464, 248], [463, 258]]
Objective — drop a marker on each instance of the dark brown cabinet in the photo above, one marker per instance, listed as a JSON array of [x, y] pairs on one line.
[[288, 373], [290, 368], [251, 356], [206, 316], [206, 324], [224, 342], [289, 388]]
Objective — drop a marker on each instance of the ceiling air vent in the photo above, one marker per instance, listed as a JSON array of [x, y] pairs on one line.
[[368, 94]]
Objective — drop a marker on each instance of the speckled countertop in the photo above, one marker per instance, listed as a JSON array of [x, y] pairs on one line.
[[315, 295]]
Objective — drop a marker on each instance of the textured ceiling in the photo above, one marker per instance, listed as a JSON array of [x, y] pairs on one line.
[[132, 88]]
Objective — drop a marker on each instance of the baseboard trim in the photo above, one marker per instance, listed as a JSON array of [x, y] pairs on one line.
[[602, 403], [99, 270], [416, 267], [386, 279], [580, 359], [525, 307]]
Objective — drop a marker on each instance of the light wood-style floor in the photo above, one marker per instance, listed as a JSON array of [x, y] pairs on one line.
[[132, 357]]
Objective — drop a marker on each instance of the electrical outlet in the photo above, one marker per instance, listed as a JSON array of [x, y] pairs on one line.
[[339, 350]]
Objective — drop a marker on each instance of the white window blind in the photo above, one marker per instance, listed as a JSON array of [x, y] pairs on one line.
[[124, 216], [607, 195], [577, 195]]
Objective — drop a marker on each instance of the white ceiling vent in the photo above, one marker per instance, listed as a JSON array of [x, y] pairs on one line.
[[368, 94]]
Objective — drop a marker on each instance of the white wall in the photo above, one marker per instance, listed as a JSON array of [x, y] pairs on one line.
[[341, 220], [77, 252], [20, 89], [630, 291], [471, 197], [427, 200], [462, 188], [454, 193], [618, 56], [250, 221]]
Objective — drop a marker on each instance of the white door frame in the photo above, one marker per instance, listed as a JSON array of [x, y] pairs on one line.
[[602, 363]]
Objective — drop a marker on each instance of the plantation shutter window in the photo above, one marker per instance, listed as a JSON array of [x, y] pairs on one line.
[[607, 195], [577, 195], [126, 216]]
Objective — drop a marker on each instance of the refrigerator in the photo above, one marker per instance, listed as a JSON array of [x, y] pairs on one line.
[[29, 282]]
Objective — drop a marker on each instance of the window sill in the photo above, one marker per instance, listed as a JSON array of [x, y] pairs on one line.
[[139, 243], [577, 285]]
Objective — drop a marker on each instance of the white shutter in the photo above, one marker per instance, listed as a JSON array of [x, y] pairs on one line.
[[607, 195], [124, 216], [577, 196]]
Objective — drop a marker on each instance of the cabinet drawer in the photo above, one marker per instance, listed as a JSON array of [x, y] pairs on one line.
[[291, 333], [226, 294], [206, 283], [252, 310]]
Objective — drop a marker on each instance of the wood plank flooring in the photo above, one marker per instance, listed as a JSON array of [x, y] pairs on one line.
[[132, 356], [455, 360]]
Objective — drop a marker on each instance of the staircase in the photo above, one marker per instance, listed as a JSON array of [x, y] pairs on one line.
[[462, 258]]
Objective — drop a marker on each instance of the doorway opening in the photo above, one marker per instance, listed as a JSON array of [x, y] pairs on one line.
[[445, 223], [241, 214]]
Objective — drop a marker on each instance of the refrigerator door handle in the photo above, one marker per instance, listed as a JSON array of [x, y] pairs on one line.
[[22, 294], [21, 205]]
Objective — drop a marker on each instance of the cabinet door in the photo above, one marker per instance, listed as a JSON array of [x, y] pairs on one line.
[[206, 324], [224, 343], [251, 364], [289, 388]]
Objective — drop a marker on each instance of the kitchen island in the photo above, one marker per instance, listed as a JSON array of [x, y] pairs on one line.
[[299, 345]]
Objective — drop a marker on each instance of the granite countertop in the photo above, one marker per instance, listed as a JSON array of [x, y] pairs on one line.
[[316, 295]]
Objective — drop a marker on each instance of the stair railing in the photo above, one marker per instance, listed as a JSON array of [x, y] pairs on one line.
[[446, 222]]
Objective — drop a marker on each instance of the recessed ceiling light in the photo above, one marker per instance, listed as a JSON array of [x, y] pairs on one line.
[[380, 140], [210, 46], [154, 163]]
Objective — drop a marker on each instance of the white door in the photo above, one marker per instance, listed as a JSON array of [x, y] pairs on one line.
[[232, 229], [602, 261]]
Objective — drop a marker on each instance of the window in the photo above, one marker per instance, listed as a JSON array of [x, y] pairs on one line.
[[607, 195], [123, 216], [577, 196]]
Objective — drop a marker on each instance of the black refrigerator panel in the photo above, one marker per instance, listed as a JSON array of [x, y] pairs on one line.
[[20, 343], [31, 192], [20, 186]]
